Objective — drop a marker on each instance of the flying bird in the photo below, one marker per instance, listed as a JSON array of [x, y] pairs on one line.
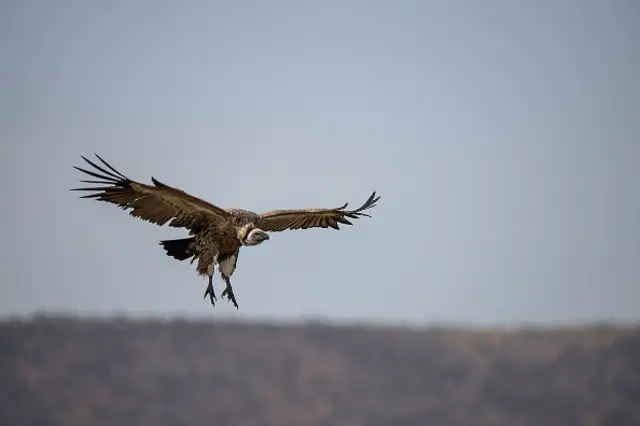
[[215, 234]]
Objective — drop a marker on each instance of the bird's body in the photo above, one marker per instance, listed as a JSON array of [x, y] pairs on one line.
[[217, 243], [215, 234]]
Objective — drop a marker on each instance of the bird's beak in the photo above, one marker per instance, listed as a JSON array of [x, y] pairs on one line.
[[265, 236]]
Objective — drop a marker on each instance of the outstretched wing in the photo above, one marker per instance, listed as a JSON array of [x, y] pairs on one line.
[[157, 203], [279, 220]]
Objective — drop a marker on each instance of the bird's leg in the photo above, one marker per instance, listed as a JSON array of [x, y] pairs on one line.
[[228, 291], [210, 292]]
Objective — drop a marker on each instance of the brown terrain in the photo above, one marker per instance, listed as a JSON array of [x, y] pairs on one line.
[[81, 372]]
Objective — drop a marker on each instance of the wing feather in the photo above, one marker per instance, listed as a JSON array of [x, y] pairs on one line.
[[280, 220], [158, 203]]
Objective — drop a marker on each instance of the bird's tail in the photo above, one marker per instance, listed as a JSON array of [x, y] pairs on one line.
[[178, 249]]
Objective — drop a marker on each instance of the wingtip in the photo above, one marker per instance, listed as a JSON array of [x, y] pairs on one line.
[[374, 199], [342, 207]]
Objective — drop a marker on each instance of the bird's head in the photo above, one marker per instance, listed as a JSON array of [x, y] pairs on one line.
[[249, 235]]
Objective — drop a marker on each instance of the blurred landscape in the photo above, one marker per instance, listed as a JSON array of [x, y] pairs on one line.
[[503, 138], [69, 371]]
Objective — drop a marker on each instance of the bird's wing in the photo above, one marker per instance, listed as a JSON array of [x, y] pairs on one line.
[[157, 203], [279, 220]]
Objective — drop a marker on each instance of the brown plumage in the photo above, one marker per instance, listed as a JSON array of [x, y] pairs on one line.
[[216, 234]]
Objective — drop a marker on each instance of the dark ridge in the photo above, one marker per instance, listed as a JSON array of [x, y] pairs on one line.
[[66, 371]]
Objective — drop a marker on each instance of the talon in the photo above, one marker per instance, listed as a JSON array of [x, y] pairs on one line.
[[232, 299], [228, 291], [212, 296], [209, 292]]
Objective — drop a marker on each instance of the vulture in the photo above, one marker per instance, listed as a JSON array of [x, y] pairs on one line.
[[215, 234]]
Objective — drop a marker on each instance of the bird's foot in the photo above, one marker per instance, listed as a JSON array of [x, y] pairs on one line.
[[228, 291], [211, 294]]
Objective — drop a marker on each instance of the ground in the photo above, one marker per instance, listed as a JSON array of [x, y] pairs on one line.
[[103, 372]]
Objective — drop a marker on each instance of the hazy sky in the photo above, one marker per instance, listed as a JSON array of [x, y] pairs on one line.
[[503, 137]]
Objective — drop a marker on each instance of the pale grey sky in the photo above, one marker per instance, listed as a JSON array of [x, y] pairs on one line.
[[503, 137]]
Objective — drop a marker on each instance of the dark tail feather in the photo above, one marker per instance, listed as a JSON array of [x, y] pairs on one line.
[[178, 249]]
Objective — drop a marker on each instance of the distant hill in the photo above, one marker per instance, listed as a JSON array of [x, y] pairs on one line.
[[77, 372]]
